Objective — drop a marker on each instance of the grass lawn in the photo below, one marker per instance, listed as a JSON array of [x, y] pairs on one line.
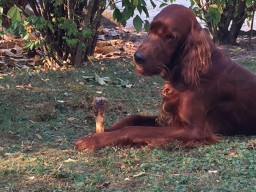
[[41, 115]]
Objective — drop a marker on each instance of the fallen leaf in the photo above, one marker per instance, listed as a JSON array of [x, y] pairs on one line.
[[38, 136], [122, 166], [129, 85], [32, 159], [45, 80], [88, 77], [231, 154], [70, 160], [71, 119], [139, 174], [212, 171], [27, 87], [101, 80], [99, 92], [31, 178]]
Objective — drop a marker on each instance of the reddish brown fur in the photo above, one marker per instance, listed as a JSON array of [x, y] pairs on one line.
[[205, 94]]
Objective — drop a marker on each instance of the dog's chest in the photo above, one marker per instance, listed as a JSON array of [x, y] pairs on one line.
[[169, 113]]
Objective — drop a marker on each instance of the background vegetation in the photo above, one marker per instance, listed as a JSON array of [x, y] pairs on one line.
[[224, 18], [68, 30]]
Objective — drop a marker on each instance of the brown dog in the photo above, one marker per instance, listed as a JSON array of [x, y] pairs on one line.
[[205, 94]]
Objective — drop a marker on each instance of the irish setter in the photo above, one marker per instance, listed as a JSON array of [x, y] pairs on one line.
[[205, 95]]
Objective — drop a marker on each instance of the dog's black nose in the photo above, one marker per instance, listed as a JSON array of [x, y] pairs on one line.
[[139, 57]]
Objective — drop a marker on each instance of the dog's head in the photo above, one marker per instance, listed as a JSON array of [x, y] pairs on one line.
[[176, 42]]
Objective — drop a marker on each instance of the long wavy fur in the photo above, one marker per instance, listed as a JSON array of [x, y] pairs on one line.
[[196, 56]]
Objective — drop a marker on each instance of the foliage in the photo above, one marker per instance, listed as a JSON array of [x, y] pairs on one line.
[[129, 6], [68, 29], [224, 18]]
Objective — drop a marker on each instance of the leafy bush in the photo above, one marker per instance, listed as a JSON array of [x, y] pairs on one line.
[[68, 29], [224, 18]]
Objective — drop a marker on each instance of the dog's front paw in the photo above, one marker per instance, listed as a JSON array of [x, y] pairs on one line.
[[93, 142]]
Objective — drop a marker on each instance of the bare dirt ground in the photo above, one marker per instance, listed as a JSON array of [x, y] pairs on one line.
[[242, 51]]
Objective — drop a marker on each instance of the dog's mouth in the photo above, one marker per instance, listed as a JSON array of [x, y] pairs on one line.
[[141, 71], [138, 69]]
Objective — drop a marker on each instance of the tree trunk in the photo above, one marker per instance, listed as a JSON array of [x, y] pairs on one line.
[[230, 26], [238, 21], [221, 35], [79, 52]]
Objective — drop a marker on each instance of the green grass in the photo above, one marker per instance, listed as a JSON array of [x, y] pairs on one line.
[[39, 124]]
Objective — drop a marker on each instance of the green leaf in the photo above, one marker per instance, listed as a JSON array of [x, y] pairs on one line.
[[70, 42], [248, 3], [1, 11], [142, 2], [37, 42], [139, 7], [213, 15], [87, 32], [192, 3], [57, 2], [123, 82], [26, 23], [14, 14], [50, 27], [235, 14], [73, 42], [137, 23], [153, 4], [145, 10], [34, 20], [146, 25], [117, 15], [139, 174], [29, 45], [69, 26], [128, 12], [15, 25], [32, 45], [101, 80], [26, 37], [88, 77], [162, 5], [103, 3], [135, 2], [83, 46], [127, 3], [214, 6]]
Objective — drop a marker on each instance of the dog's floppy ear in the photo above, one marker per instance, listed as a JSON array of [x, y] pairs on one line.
[[196, 55]]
